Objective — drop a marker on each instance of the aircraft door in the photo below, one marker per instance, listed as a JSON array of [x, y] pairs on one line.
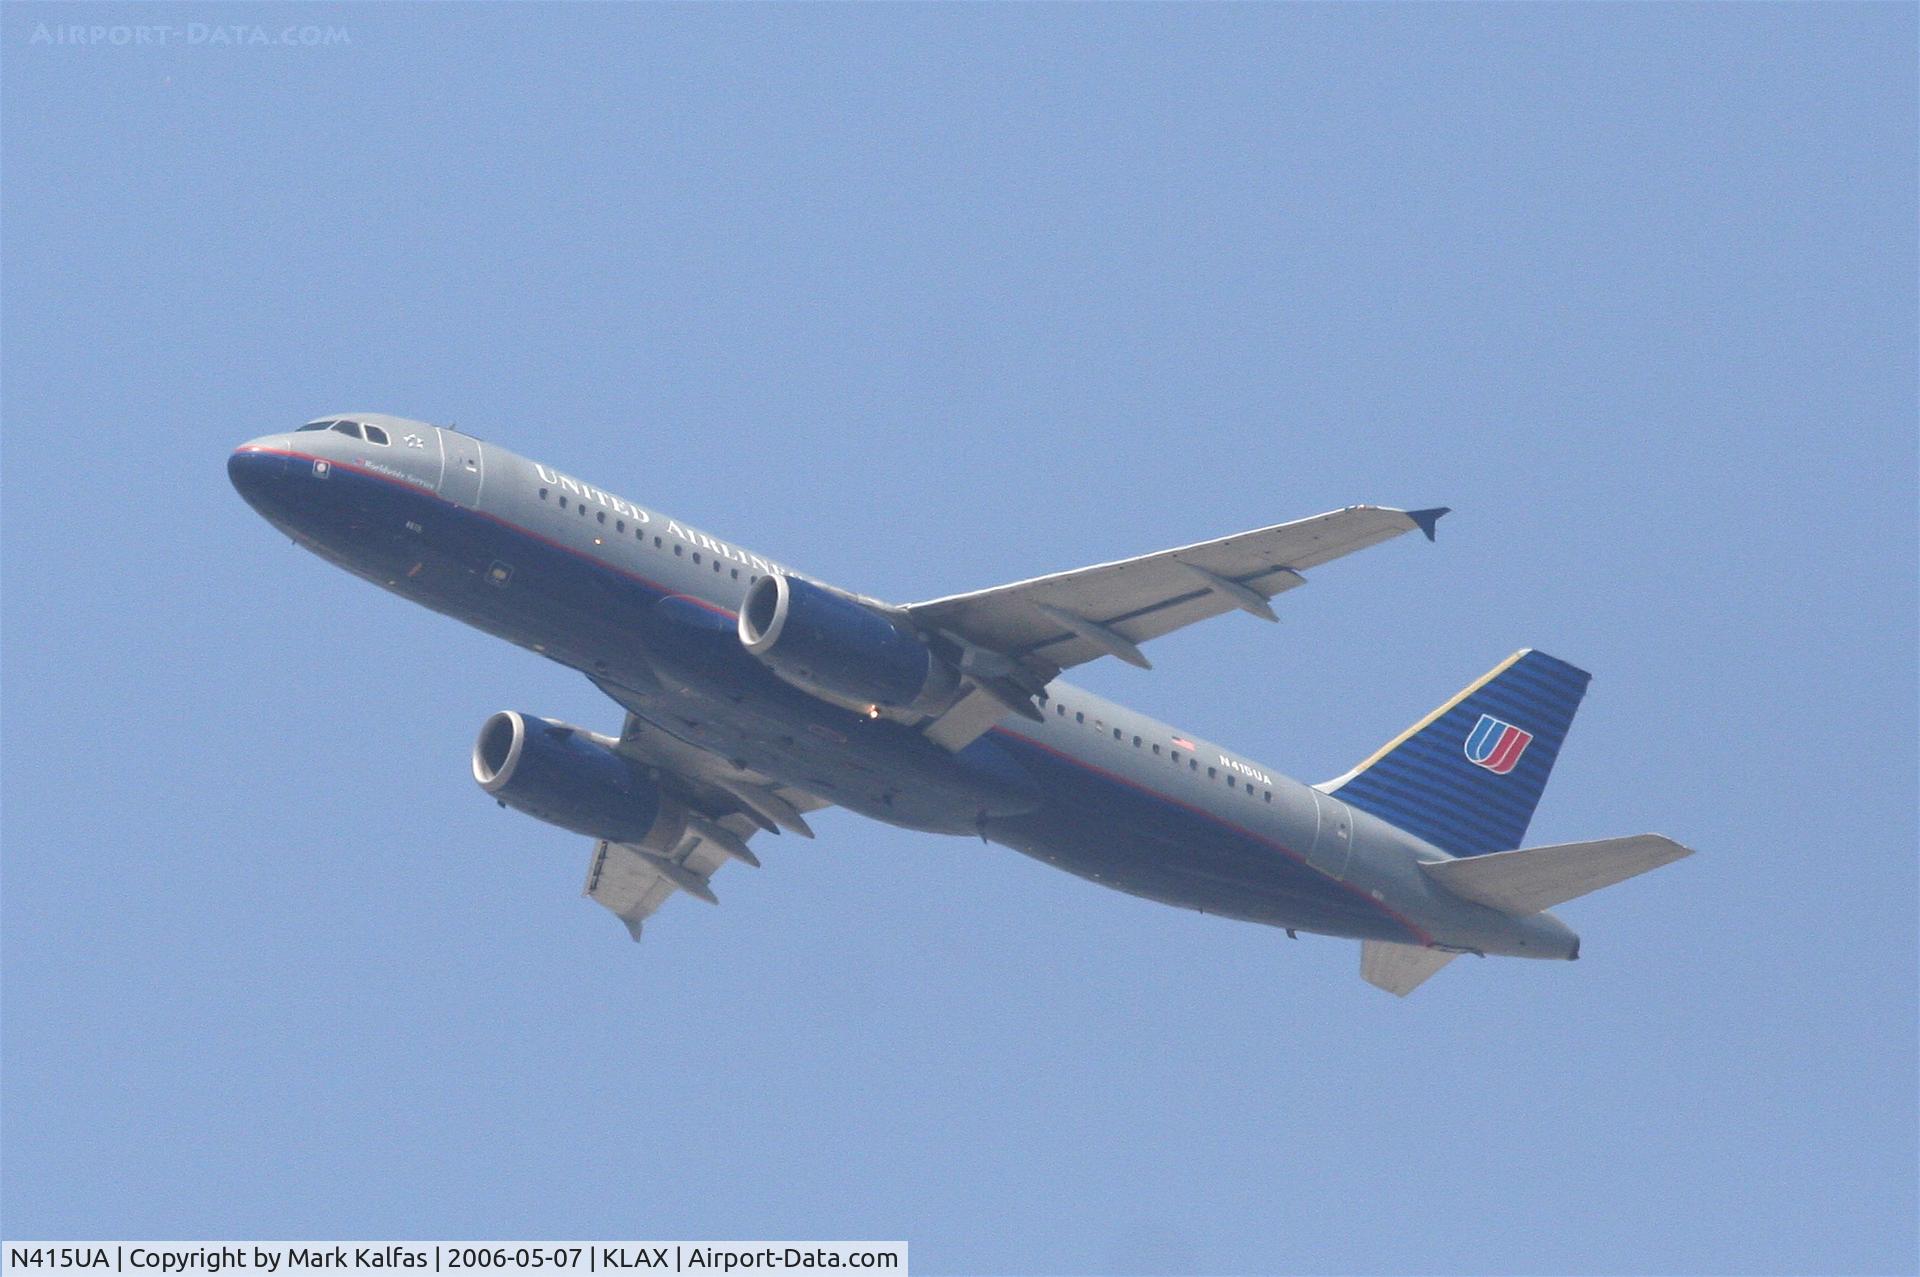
[[461, 473], [1333, 835]]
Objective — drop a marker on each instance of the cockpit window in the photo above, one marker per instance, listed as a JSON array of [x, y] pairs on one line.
[[352, 429]]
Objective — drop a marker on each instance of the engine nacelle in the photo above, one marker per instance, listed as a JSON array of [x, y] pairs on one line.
[[572, 778], [836, 646]]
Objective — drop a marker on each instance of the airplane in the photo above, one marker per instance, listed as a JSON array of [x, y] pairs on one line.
[[755, 695]]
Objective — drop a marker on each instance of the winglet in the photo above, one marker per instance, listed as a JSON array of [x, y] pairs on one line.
[[1425, 519]]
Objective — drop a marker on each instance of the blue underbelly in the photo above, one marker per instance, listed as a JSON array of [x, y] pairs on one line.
[[1124, 835], [618, 626]]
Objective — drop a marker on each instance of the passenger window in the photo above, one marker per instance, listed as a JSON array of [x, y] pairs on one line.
[[696, 556], [1230, 784], [1156, 749], [602, 516], [351, 429], [376, 435], [736, 574], [1193, 764], [582, 508], [679, 550], [1136, 742], [1268, 795], [1213, 773], [1116, 733], [656, 543], [1060, 709], [1079, 716], [619, 525], [543, 494]]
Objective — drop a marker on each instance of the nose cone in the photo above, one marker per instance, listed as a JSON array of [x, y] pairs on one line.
[[258, 469]]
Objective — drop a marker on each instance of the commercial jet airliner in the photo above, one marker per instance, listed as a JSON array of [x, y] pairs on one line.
[[755, 695]]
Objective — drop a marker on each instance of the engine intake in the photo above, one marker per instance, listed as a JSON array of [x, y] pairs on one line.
[[839, 647], [570, 777]]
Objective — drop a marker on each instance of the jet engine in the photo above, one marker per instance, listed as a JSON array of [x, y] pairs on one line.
[[573, 778], [842, 648]]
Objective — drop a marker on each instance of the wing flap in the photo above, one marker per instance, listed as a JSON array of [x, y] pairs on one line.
[[626, 883], [1069, 618], [726, 807], [632, 882]]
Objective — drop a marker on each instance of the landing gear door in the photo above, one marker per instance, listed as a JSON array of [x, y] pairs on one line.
[[460, 471], [1333, 836]]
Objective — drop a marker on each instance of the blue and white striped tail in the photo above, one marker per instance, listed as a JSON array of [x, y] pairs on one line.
[[1467, 777]]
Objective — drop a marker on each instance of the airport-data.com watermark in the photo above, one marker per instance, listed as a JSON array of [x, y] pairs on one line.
[[213, 35]]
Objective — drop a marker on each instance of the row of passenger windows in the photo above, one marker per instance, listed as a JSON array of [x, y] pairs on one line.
[[640, 534], [352, 429], [1177, 756]]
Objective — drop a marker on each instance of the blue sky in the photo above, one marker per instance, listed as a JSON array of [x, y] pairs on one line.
[[922, 299]]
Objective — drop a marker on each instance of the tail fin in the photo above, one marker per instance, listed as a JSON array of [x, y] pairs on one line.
[[1467, 777], [1536, 878]]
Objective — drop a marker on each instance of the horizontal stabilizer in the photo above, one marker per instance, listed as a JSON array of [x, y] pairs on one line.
[[1399, 968], [1536, 878]]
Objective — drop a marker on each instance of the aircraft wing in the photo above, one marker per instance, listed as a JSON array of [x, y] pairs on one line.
[[1069, 618], [728, 807]]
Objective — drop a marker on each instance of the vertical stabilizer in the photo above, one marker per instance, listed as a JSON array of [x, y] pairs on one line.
[[1467, 777]]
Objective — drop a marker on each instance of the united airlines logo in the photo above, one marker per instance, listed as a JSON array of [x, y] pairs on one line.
[[1495, 745]]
